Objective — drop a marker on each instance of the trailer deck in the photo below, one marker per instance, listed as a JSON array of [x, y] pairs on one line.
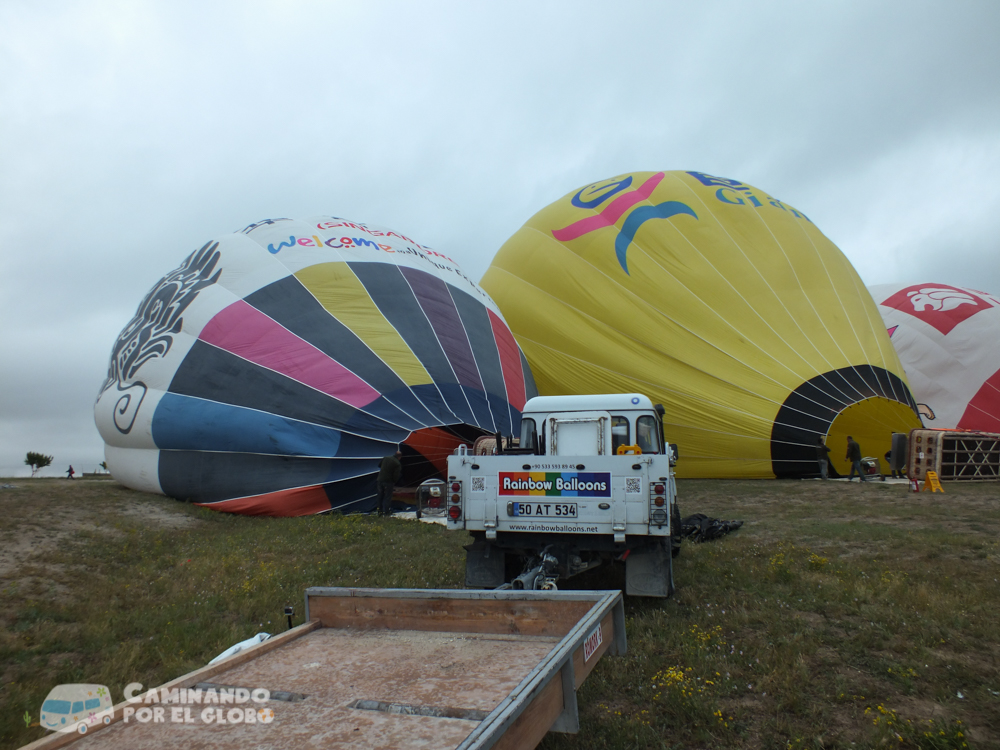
[[389, 668]]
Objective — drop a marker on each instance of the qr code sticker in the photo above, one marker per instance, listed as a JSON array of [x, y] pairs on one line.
[[479, 484], [633, 485]]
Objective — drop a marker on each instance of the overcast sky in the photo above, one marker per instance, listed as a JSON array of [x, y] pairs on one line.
[[132, 132]]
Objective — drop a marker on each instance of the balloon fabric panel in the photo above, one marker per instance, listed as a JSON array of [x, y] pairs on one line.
[[395, 300], [510, 361], [984, 408], [527, 381], [434, 445], [355, 495], [247, 333], [299, 501], [185, 423], [216, 375], [345, 298], [434, 298], [290, 303], [476, 320], [208, 476], [568, 361]]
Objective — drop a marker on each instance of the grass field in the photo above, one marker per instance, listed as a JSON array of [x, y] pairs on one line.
[[840, 616]]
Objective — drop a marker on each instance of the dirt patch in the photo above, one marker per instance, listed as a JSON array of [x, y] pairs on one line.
[[20, 547], [159, 515], [40, 515]]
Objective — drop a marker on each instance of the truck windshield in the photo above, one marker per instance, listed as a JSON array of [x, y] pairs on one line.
[[646, 434]]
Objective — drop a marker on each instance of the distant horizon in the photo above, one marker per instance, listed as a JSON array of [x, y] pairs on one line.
[[56, 470]]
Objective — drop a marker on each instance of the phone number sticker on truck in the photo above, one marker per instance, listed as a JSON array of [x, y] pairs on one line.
[[555, 484], [548, 510]]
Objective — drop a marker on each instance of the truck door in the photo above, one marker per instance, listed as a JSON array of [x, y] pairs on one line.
[[584, 433]]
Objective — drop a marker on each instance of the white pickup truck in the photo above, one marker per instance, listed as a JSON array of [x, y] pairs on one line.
[[590, 481]]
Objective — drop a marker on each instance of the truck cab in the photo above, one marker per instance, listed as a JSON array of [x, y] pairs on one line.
[[590, 481], [595, 425]]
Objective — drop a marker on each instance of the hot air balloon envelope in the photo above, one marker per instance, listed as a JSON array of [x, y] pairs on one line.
[[946, 339], [725, 304], [275, 367]]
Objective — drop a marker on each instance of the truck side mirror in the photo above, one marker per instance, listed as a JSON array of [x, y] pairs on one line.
[[673, 454]]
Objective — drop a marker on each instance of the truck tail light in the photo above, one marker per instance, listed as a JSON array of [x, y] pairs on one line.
[[657, 501], [455, 507]]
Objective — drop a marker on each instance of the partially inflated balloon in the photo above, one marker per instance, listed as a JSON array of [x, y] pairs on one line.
[[946, 338], [723, 303], [274, 368]]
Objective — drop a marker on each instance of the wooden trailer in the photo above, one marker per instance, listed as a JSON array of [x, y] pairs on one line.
[[386, 668]]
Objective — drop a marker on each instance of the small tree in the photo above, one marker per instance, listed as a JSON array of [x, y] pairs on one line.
[[104, 465], [37, 461]]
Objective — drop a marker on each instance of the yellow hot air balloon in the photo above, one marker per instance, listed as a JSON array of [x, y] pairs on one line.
[[724, 304]]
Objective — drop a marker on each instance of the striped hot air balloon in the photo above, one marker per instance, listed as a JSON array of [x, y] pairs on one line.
[[716, 299], [274, 368]]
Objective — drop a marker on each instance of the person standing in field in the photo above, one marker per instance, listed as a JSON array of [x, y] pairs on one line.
[[823, 458], [389, 469], [70, 472], [854, 456]]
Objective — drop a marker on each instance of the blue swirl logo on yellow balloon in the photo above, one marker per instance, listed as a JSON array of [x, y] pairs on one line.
[[610, 215]]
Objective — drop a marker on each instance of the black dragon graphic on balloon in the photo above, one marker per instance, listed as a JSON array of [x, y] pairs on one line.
[[151, 331]]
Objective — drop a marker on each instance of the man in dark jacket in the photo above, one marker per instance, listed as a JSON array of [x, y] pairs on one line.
[[854, 456], [822, 458], [389, 469]]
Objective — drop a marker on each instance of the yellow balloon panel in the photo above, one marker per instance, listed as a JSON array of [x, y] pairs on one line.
[[723, 303], [343, 295], [870, 423]]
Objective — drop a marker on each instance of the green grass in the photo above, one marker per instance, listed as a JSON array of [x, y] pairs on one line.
[[840, 616], [138, 600]]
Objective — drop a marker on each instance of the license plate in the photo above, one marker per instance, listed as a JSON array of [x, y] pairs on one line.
[[545, 510]]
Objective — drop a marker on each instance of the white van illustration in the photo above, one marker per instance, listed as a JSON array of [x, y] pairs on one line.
[[76, 708]]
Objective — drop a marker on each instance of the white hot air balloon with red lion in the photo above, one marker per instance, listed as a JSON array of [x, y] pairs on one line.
[[946, 339]]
